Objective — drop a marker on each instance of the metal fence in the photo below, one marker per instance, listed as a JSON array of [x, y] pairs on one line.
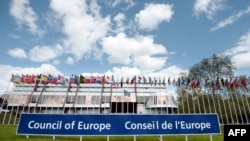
[[232, 104]]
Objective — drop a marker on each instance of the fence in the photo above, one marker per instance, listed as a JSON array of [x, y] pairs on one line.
[[232, 104]]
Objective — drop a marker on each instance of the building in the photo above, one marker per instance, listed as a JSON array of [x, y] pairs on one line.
[[89, 98]]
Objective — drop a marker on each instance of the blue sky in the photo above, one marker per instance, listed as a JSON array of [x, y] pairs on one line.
[[120, 37]]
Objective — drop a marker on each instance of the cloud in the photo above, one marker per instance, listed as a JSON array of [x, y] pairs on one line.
[[70, 61], [24, 15], [240, 52], [7, 70], [119, 19], [44, 53], [148, 63], [14, 36], [82, 24], [17, 53], [132, 51], [114, 3], [231, 19], [128, 72], [208, 7], [153, 14], [37, 53]]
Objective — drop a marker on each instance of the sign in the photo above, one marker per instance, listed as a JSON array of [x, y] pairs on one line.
[[126, 124], [237, 131]]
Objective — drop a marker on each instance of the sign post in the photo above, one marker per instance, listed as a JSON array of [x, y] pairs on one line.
[[91, 125]]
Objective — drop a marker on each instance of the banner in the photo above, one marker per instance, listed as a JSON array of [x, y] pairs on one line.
[[123, 124]]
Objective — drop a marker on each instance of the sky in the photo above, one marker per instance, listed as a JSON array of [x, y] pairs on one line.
[[162, 38]]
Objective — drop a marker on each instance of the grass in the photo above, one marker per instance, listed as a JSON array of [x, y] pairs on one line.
[[8, 133]]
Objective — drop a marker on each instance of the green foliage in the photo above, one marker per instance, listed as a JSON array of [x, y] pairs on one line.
[[8, 133]]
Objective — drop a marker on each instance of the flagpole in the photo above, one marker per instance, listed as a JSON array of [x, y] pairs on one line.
[[237, 100], [241, 97], [136, 99], [100, 106], [76, 94], [39, 97], [65, 101], [245, 91], [230, 91], [111, 94]]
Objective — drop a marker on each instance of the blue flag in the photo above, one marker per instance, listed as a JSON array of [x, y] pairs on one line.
[[126, 93]]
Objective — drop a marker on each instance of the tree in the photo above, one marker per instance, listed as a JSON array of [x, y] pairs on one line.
[[210, 99], [213, 67]]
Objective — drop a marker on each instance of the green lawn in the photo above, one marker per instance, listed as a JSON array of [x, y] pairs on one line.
[[8, 133]]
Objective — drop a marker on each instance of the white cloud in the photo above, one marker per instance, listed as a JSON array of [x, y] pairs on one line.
[[44, 53], [70, 61], [7, 70], [56, 62], [154, 14], [114, 3], [128, 72], [82, 24], [17, 53], [14, 36], [131, 51], [24, 15], [231, 19], [240, 53], [172, 71], [124, 71], [119, 19], [208, 7], [148, 63]]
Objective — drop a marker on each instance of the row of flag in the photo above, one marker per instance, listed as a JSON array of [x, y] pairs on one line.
[[180, 82]]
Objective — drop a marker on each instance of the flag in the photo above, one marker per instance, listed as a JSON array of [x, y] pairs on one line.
[[122, 82], [188, 81], [29, 79], [43, 78], [52, 79], [61, 79], [150, 80], [207, 83], [88, 79], [15, 78], [179, 82], [233, 83], [198, 82], [126, 93], [244, 82], [74, 79], [155, 81], [98, 80], [103, 79], [169, 82], [127, 80], [81, 79], [164, 83], [222, 83], [182, 82], [212, 83], [139, 79], [113, 80], [226, 82], [144, 80], [133, 80], [108, 80], [173, 82], [192, 83]]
